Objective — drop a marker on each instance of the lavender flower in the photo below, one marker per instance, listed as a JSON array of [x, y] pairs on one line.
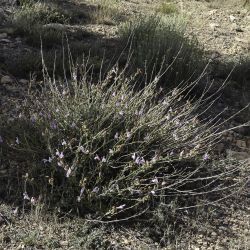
[[33, 201], [25, 196], [1, 139], [139, 160], [116, 135], [33, 119], [121, 207], [97, 158], [17, 140], [206, 157], [47, 160], [53, 125], [64, 143], [104, 159], [163, 183], [59, 154], [81, 194], [155, 180], [121, 113], [128, 134], [68, 173], [181, 153], [96, 190], [133, 156]]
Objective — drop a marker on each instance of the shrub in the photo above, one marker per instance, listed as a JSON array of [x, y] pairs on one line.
[[167, 8], [160, 45], [32, 14], [106, 149], [107, 12], [29, 21]]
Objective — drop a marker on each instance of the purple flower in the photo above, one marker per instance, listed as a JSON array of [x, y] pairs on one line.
[[121, 113], [155, 180], [133, 156], [73, 125], [60, 163], [64, 143], [33, 119], [104, 159], [53, 125], [33, 201], [128, 134], [121, 207], [47, 160], [25, 196], [206, 157], [139, 160], [97, 158], [116, 135], [68, 173], [96, 190], [1, 139], [17, 140], [59, 154]]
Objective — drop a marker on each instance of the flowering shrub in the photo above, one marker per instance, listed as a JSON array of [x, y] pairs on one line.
[[103, 147]]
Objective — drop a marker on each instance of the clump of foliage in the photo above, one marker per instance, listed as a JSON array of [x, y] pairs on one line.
[[30, 18], [104, 148], [167, 8], [107, 12], [159, 44]]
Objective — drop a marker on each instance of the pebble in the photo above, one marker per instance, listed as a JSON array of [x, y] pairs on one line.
[[5, 41], [241, 144], [238, 155], [6, 80], [232, 18], [3, 35]]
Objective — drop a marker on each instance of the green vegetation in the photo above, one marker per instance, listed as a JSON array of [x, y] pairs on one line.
[[30, 20], [158, 45], [108, 150], [107, 12], [167, 8], [104, 155]]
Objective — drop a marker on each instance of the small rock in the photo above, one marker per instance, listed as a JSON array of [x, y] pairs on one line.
[[63, 243], [238, 155], [23, 81], [232, 18], [6, 80], [213, 26], [5, 41], [3, 35], [239, 29], [241, 144]]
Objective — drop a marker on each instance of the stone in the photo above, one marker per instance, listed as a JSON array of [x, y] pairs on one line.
[[241, 144], [23, 81], [239, 29], [6, 80], [238, 155], [3, 35], [64, 243], [213, 26], [232, 18], [5, 40]]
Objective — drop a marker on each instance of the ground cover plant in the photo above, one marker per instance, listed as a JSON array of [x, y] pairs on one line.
[[29, 20], [159, 44], [104, 149]]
